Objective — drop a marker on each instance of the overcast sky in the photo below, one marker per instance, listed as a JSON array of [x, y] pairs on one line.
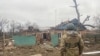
[[43, 12]]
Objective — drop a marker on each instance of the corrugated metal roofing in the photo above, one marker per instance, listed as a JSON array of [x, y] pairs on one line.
[[78, 25]]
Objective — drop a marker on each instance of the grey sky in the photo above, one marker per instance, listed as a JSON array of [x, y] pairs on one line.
[[43, 13]]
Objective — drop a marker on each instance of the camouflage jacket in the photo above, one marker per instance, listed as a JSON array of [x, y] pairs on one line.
[[68, 41]]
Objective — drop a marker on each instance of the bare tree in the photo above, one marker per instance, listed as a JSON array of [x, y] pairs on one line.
[[77, 11], [20, 27], [35, 26], [31, 27], [97, 22], [3, 24], [27, 26], [12, 27], [15, 27], [78, 15]]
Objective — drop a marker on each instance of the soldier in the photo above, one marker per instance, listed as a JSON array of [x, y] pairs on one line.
[[71, 42]]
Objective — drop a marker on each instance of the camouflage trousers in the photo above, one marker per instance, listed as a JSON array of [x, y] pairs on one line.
[[70, 52]]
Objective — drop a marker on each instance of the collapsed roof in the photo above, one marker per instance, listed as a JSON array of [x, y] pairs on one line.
[[75, 21]]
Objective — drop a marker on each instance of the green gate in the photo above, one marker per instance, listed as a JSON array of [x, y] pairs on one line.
[[24, 40], [54, 39]]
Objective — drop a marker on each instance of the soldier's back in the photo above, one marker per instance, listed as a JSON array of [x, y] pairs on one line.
[[71, 43]]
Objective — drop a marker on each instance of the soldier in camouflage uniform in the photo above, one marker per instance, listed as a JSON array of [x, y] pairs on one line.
[[71, 42]]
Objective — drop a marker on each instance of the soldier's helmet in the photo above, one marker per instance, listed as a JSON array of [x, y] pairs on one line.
[[71, 26]]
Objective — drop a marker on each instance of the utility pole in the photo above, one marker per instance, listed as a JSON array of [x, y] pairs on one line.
[[4, 44], [55, 16]]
